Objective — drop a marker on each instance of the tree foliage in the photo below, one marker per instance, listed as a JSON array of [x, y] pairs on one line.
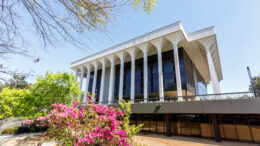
[[255, 85], [38, 99], [11, 102], [54, 88], [18, 81]]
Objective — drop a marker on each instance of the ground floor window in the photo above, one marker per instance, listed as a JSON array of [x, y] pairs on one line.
[[238, 127]]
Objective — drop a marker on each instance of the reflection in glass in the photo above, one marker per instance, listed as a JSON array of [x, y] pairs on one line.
[[127, 81], [97, 91], [90, 82], [116, 83]]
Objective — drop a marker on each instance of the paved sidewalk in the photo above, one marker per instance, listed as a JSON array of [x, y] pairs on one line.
[[19, 135], [11, 140], [149, 140], [161, 140]]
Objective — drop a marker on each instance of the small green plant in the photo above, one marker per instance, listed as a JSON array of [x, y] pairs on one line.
[[131, 130], [10, 130]]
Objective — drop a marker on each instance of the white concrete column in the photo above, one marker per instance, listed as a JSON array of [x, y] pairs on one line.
[[213, 74], [158, 43], [81, 77], [132, 93], [111, 81], [121, 82], [144, 48], [160, 74], [177, 72], [101, 93], [206, 86], [175, 39], [95, 78], [87, 82], [208, 43]]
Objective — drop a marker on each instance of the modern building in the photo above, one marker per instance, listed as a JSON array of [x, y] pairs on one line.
[[165, 74]]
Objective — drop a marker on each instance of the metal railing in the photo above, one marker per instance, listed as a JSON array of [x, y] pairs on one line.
[[220, 96]]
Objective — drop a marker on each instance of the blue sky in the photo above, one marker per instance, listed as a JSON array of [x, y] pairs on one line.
[[237, 24]]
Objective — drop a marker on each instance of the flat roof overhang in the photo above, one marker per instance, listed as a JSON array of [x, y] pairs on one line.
[[233, 106], [208, 33]]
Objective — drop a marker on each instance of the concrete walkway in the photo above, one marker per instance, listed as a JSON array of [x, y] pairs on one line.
[[10, 140], [150, 140], [19, 135], [161, 140]]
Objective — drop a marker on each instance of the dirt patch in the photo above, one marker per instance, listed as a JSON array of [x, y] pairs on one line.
[[23, 141]]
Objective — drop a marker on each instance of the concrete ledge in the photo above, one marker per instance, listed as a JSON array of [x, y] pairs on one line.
[[233, 106]]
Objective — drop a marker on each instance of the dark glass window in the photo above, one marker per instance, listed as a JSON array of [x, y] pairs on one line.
[[116, 83], [97, 92], [127, 80], [139, 78], [169, 71], [201, 84], [153, 80], [241, 119], [90, 82], [202, 88], [169, 80], [155, 77], [203, 118], [189, 73], [254, 120], [227, 119]]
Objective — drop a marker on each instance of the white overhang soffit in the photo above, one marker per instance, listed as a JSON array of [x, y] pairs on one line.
[[150, 36]]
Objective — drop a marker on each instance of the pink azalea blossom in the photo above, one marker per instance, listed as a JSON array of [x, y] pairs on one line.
[[88, 124], [28, 122]]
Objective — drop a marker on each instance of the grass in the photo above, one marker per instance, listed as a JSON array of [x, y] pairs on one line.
[[10, 130]]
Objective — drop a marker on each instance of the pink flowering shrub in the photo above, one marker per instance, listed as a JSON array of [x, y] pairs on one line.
[[28, 122], [90, 124]]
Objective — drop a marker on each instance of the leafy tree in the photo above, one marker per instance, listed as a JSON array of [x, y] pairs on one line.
[[49, 89], [11, 102], [53, 88], [18, 81], [255, 85]]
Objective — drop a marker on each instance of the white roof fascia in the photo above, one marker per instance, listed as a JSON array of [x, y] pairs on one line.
[[131, 43], [201, 34], [147, 37]]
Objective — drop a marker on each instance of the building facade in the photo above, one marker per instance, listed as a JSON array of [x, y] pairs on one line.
[[167, 62], [165, 74]]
